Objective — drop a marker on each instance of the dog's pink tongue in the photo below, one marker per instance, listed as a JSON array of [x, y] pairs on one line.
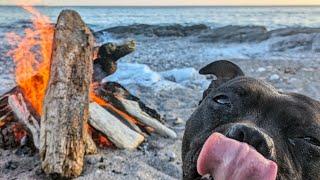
[[228, 159]]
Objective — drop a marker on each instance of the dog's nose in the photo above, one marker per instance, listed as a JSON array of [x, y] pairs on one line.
[[253, 136]]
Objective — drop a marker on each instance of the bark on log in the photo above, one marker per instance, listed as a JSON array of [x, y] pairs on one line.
[[121, 135], [134, 109], [20, 110], [66, 103], [90, 146]]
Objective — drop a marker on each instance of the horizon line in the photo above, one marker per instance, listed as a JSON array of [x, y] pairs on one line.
[[307, 5]]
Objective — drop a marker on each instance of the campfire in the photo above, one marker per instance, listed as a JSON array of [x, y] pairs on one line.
[[59, 108]]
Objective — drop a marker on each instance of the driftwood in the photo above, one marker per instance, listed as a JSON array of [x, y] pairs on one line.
[[108, 54], [121, 135], [66, 104], [110, 91], [133, 108], [31, 125]]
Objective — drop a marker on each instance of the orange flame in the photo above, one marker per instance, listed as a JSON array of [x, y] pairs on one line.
[[32, 69]]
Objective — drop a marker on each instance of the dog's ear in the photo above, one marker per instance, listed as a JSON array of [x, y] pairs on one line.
[[223, 70]]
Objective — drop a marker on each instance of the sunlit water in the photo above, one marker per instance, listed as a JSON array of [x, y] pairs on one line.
[[103, 17]]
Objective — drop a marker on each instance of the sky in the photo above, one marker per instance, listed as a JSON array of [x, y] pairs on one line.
[[159, 2]]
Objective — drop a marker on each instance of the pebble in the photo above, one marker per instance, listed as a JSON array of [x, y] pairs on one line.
[[169, 117], [116, 172], [289, 71], [11, 165], [156, 145], [261, 69], [171, 155], [102, 166], [274, 77], [94, 159], [178, 121], [292, 80]]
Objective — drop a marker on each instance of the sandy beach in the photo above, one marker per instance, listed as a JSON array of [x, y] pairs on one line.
[[159, 158]]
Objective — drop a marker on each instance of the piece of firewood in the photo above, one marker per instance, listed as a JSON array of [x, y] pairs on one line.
[[66, 104], [118, 133], [133, 108], [110, 91], [23, 115]]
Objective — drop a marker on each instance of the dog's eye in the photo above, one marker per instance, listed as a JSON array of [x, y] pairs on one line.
[[222, 99], [312, 141]]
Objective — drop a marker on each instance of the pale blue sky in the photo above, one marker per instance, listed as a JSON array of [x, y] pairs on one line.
[[160, 2]]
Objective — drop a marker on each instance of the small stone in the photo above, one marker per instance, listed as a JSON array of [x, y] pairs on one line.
[[101, 159], [11, 165], [178, 121], [94, 159], [171, 155], [292, 80], [289, 70], [169, 117], [261, 69], [98, 171], [116, 172], [156, 145], [102, 166], [274, 77]]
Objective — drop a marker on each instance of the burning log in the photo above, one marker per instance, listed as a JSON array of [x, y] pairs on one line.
[[123, 100], [66, 104], [134, 109], [121, 135], [112, 90], [31, 125]]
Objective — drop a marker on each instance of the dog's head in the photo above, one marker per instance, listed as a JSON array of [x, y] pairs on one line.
[[246, 119]]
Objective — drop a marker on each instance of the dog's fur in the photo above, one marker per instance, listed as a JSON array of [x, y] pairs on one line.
[[284, 127]]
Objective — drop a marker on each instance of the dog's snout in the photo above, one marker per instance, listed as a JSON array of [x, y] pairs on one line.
[[253, 136]]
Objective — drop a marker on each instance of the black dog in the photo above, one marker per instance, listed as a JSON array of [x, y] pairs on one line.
[[245, 129]]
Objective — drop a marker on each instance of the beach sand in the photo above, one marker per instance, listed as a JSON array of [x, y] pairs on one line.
[[160, 158]]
